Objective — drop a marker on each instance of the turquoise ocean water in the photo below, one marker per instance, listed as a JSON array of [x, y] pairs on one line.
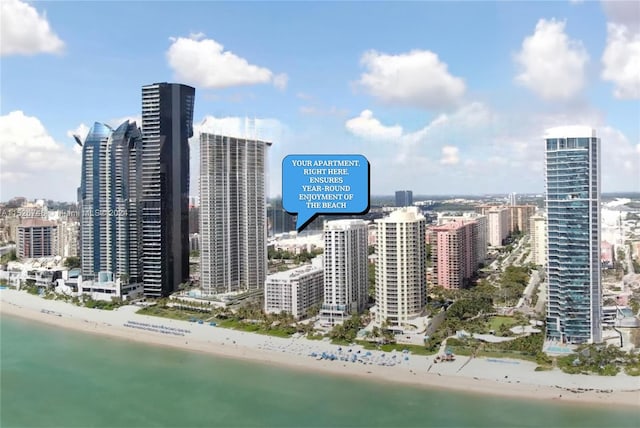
[[58, 378]]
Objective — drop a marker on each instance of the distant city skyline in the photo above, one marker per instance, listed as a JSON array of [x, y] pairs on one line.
[[472, 126]]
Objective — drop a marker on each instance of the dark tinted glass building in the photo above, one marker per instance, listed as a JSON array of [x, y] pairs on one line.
[[404, 198], [167, 124]]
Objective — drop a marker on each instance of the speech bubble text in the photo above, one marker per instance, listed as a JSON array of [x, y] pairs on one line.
[[324, 184]]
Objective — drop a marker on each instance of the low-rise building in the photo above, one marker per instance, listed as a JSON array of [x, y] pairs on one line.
[[295, 291], [106, 288]]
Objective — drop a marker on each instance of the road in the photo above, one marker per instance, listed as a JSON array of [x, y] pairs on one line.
[[627, 251], [542, 298], [534, 280]]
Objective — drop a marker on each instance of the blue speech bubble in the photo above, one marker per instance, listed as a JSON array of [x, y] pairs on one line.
[[324, 184]]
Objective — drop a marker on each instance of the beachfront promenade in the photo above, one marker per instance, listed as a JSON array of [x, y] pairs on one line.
[[506, 377]]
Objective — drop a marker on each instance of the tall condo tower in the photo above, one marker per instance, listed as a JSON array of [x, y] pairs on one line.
[[167, 124], [109, 213], [345, 270], [233, 215], [401, 282], [574, 309]]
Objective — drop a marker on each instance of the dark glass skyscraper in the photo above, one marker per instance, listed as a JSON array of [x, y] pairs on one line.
[[167, 124], [574, 308]]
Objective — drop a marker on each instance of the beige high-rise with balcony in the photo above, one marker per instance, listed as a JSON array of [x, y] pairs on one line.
[[401, 287]]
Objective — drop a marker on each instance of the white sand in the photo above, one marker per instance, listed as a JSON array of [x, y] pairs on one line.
[[503, 377]]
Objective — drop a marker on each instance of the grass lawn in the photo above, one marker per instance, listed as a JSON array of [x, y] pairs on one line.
[[414, 349], [496, 322], [506, 354], [183, 315], [254, 328], [315, 337], [460, 350], [175, 314]]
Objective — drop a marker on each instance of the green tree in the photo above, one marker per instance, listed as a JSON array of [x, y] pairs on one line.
[[11, 256], [72, 262]]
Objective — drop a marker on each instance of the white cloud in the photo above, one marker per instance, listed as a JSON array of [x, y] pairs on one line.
[[204, 63], [553, 66], [471, 116], [32, 163], [280, 81], [500, 152], [621, 60], [623, 12], [304, 96], [81, 131], [23, 31], [368, 127], [318, 111], [417, 79], [521, 146], [450, 155], [620, 160], [432, 147]]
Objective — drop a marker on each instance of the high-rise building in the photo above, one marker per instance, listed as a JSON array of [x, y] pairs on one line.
[[167, 125], [498, 225], [574, 308], [109, 212], [278, 220], [404, 198], [67, 237], [295, 291], [538, 230], [233, 216], [37, 238], [483, 230], [454, 253], [345, 270], [401, 289], [519, 216]]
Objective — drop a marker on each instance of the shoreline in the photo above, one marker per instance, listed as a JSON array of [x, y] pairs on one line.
[[513, 379]]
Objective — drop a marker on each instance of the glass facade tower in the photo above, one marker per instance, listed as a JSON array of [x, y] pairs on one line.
[[167, 125], [109, 213], [573, 230]]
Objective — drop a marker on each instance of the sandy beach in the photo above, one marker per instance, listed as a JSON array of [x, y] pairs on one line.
[[500, 377]]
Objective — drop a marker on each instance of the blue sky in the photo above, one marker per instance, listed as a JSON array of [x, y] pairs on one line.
[[440, 97]]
